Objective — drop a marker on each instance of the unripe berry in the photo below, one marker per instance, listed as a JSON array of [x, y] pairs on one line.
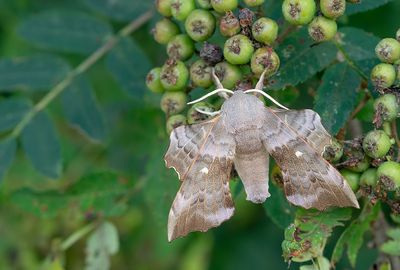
[[334, 151], [174, 75], [388, 50], [164, 7], [376, 144], [181, 9], [322, 29], [387, 107], [223, 6], [254, 3], [369, 178], [205, 4], [173, 102], [175, 121], [352, 178], [153, 81], [200, 74], [333, 8], [200, 25], [298, 11], [265, 30], [238, 50], [164, 31], [359, 165], [383, 75], [389, 174], [181, 47], [228, 74], [194, 116], [265, 59], [229, 25], [211, 53]]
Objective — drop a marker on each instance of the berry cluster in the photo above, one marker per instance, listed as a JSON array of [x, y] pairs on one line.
[[322, 27], [186, 29]]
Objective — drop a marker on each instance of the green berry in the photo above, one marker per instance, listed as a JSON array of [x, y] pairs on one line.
[[389, 174], [228, 74], [387, 107], [205, 4], [175, 121], [298, 12], [388, 50], [359, 165], [265, 59], [334, 151], [173, 102], [238, 50], [174, 75], [229, 25], [164, 31], [265, 30], [194, 116], [254, 3], [352, 178], [333, 8], [322, 29], [153, 81], [200, 74], [376, 144], [164, 7], [383, 75], [369, 178], [181, 9], [200, 25], [181, 47], [223, 6]]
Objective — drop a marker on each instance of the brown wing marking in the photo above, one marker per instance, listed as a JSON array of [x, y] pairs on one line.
[[204, 199], [309, 180]]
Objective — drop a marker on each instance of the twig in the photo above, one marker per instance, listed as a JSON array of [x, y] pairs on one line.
[[83, 67]]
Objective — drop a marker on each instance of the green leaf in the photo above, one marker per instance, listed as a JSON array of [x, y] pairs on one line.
[[121, 10], [31, 73], [129, 66], [392, 247], [353, 236], [81, 109], [357, 43], [100, 193], [97, 193], [102, 243], [12, 110], [43, 204], [365, 5], [41, 145], [301, 59], [8, 148], [278, 208], [337, 96], [306, 237], [65, 31]]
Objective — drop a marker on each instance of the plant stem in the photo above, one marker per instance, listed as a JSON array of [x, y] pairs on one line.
[[76, 236], [80, 69], [350, 61]]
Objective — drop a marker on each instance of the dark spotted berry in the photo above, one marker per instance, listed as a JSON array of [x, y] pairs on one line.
[[211, 53], [334, 151], [238, 50], [389, 174], [265, 30], [228, 74], [223, 6], [194, 116], [181, 9], [153, 81], [229, 25], [164, 31], [376, 144], [333, 8], [322, 29], [383, 75], [386, 108], [174, 75], [164, 7], [298, 11], [388, 50], [200, 74], [175, 121], [173, 102], [180, 47], [265, 59]]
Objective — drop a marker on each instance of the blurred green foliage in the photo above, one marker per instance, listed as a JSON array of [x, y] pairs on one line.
[[104, 138]]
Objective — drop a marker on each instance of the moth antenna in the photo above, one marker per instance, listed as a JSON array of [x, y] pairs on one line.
[[267, 96], [217, 91], [260, 83], [216, 80], [212, 114]]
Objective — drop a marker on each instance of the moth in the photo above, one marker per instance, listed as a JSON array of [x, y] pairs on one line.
[[243, 134]]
